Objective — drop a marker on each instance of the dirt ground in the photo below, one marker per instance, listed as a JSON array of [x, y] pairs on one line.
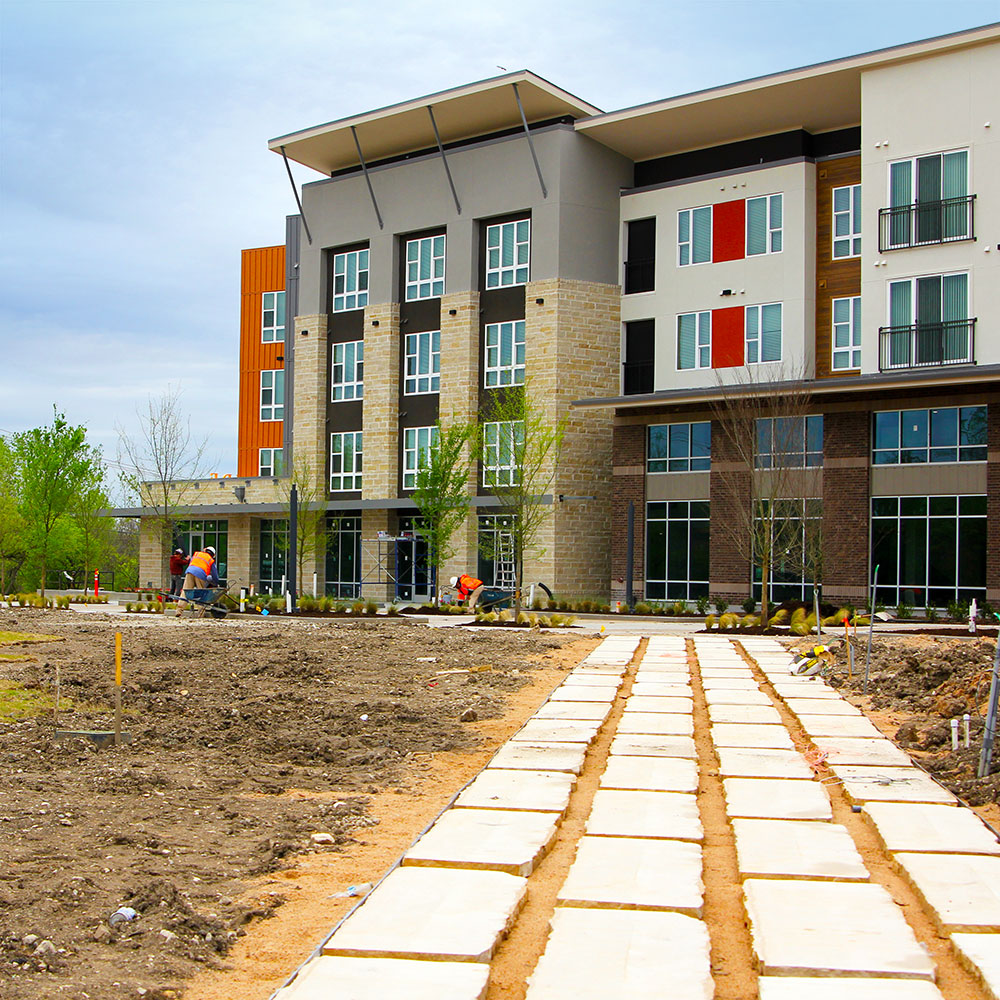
[[271, 763]]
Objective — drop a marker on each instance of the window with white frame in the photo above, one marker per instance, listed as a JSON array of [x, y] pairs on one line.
[[789, 442], [424, 267], [271, 462], [679, 447], [764, 225], [505, 353], [694, 236], [694, 340], [508, 253], [272, 318], [417, 445], [502, 442], [347, 371], [345, 461], [422, 371], [847, 334], [350, 280], [763, 333], [272, 395], [847, 221]]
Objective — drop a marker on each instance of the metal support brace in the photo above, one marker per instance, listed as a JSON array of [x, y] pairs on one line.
[[295, 191], [368, 180], [531, 145], [444, 159]]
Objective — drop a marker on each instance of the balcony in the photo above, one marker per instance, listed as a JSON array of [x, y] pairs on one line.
[[927, 345], [637, 377], [926, 223], [640, 275]]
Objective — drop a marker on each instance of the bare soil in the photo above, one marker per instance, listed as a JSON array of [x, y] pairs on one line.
[[249, 738]]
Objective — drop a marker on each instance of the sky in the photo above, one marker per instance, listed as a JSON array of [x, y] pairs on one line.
[[134, 164]]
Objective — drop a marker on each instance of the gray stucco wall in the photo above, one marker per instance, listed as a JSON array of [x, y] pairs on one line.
[[574, 228]]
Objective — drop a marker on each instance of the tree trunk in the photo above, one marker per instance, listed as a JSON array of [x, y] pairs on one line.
[[765, 573], [44, 560]]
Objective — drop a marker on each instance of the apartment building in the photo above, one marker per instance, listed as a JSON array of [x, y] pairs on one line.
[[834, 229]]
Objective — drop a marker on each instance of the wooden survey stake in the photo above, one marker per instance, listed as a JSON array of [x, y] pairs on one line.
[[118, 689]]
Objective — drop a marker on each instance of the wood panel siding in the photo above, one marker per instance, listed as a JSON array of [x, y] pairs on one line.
[[262, 270], [835, 279]]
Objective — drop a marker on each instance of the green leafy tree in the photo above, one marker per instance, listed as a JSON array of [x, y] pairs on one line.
[[519, 447], [96, 532], [56, 466], [442, 491], [13, 547]]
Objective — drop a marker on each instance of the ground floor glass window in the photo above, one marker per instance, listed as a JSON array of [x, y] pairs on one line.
[[797, 559], [929, 550], [491, 526], [194, 536], [343, 556], [677, 550], [273, 554]]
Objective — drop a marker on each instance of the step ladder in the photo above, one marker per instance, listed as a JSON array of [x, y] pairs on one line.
[[504, 577]]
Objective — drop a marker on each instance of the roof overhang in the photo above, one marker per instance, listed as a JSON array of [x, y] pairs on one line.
[[818, 98], [461, 113], [927, 379]]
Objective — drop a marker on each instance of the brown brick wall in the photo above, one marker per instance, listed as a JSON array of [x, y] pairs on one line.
[[993, 503], [729, 571]]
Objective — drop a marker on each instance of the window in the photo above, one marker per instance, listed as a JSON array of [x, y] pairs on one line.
[[495, 546], [424, 268], [505, 353], [347, 371], [847, 333], [640, 351], [272, 322], [417, 444], [423, 363], [764, 225], [790, 442], [929, 322], [640, 262], [272, 395], [272, 462], [508, 246], [929, 201], [694, 340], [273, 555], [847, 221], [929, 550], [501, 446], [193, 536], [345, 461], [679, 447], [796, 547], [343, 555], [350, 280], [677, 544], [948, 434], [763, 333], [694, 236]]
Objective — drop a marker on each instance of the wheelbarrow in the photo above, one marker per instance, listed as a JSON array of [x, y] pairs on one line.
[[205, 602], [493, 599]]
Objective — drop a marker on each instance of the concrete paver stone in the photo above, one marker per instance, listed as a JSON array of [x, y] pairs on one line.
[[589, 711], [590, 678], [838, 725], [801, 927], [656, 724], [596, 954], [722, 696], [776, 798], [655, 703], [962, 890], [651, 774], [640, 745], [535, 791], [928, 828], [797, 988], [768, 848], [556, 731], [627, 813], [734, 734], [584, 692], [329, 977], [635, 873], [890, 784], [729, 684], [980, 954], [540, 757], [797, 688], [821, 706], [735, 762], [744, 713], [859, 750], [441, 913]]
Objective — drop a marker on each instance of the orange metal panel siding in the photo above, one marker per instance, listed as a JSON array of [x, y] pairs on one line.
[[263, 270]]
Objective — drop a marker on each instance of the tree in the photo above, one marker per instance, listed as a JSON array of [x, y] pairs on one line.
[[759, 459], [442, 491], [160, 464], [310, 515], [519, 448], [13, 547], [56, 466], [96, 530]]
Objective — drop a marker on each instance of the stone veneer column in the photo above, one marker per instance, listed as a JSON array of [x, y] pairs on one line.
[[374, 520], [240, 571], [629, 449], [311, 443], [846, 477], [458, 401], [154, 555], [380, 424], [572, 334]]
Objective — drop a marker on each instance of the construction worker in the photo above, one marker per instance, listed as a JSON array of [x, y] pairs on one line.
[[178, 566], [201, 571], [469, 588]]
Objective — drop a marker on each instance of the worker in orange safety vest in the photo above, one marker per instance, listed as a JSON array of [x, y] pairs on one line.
[[202, 571], [469, 588]]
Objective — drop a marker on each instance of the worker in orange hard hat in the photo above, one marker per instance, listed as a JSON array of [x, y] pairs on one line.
[[202, 572], [469, 588]]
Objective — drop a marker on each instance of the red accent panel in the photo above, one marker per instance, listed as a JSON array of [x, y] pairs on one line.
[[729, 230], [727, 337]]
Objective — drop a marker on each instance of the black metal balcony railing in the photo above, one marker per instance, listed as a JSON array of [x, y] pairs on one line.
[[640, 275], [637, 377], [926, 222], [927, 345]]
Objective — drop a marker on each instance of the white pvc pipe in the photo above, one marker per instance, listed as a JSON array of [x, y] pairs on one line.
[[282, 582], [967, 719], [954, 734], [315, 586], [288, 601], [243, 599]]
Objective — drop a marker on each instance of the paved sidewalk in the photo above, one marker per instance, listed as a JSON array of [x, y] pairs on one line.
[[628, 919]]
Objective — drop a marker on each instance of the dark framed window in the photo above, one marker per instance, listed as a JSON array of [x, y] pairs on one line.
[[679, 447], [677, 544], [640, 256], [945, 434]]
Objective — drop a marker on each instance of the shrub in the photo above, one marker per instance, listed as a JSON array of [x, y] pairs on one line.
[[536, 604], [504, 615], [986, 611], [679, 608], [275, 605], [749, 605], [340, 606], [904, 611], [958, 610], [710, 621], [129, 605], [837, 618], [393, 610], [702, 604], [749, 621], [605, 609], [728, 620], [721, 606], [357, 607], [932, 613], [642, 608], [780, 617], [552, 605], [371, 608]]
